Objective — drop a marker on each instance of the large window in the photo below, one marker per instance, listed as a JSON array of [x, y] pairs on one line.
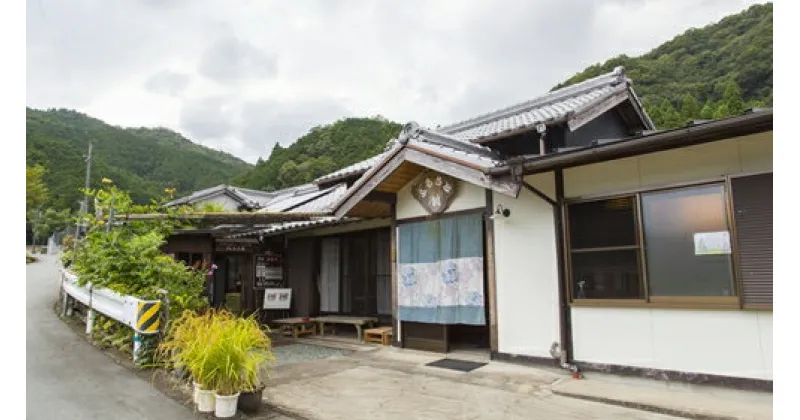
[[680, 245], [687, 242], [605, 250]]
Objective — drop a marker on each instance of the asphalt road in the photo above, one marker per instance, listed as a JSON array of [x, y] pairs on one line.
[[68, 378]]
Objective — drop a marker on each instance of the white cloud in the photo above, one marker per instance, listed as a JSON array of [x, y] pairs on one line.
[[245, 75]]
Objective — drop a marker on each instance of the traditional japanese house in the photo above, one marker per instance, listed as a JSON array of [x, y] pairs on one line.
[[567, 228]]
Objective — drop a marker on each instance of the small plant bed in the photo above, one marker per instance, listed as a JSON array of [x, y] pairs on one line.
[[30, 259]]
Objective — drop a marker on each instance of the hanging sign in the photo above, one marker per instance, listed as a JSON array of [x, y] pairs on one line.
[[269, 270], [434, 191]]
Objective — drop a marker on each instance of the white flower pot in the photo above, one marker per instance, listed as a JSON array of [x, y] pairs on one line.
[[205, 401], [195, 389], [226, 405]]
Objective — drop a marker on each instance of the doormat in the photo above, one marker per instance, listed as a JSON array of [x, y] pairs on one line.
[[454, 364]]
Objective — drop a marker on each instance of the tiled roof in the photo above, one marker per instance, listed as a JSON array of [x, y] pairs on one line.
[[323, 203], [450, 148], [252, 199], [551, 107], [294, 226], [259, 197], [291, 197], [354, 169]]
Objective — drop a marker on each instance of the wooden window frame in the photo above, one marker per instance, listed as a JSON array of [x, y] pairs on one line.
[[734, 302], [568, 251]]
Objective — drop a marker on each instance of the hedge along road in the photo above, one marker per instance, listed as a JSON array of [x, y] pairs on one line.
[[68, 378]]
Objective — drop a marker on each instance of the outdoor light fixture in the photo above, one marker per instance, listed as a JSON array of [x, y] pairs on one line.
[[500, 211]]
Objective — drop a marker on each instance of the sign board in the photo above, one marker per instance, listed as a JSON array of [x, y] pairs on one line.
[[269, 270], [277, 298], [232, 247], [712, 243]]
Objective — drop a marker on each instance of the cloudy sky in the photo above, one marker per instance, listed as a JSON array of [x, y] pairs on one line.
[[241, 75]]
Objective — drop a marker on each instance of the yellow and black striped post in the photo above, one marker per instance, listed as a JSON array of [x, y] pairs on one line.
[[147, 317]]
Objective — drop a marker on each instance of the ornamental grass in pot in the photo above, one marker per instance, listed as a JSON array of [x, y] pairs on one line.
[[238, 354], [224, 354]]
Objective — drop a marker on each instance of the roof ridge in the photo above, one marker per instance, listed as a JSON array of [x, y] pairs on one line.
[[612, 78]]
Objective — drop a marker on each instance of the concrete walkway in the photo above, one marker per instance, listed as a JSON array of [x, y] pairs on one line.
[[388, 383], [68, 378], [692, 401]]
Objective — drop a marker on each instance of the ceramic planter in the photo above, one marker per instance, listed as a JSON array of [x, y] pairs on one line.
[[225, 405], [205, 401]]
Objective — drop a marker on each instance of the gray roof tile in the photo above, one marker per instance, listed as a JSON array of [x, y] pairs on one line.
[[354, 169], [554, 106]]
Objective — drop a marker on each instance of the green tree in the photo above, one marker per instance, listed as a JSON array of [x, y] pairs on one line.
[[722, 111], [35, 190], [49, 222], [670, 118], [708, 110], [690, 108], [733, 99], [702, 62]]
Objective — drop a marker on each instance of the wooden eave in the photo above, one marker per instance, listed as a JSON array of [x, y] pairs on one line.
[[404, 164]]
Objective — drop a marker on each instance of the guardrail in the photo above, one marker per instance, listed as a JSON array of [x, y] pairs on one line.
[[143, 316]]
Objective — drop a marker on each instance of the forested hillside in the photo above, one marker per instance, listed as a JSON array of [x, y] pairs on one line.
[[711, 72], [142, 161], [322, 150]]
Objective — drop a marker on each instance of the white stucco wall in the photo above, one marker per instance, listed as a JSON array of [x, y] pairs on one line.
[[740, 155], [729, 343], [527, 272], [468, 197]]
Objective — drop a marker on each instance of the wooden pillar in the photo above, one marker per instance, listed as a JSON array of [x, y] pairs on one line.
[[490, 272], [393, 267]]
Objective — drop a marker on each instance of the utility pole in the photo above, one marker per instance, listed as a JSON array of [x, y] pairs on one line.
[[85, 203]]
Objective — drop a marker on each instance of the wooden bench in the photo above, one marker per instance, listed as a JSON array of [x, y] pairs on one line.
[[333, 320], [296, 327], [380, 335]]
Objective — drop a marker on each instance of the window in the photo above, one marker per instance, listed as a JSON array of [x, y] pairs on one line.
[[604, 250], [193, 260], [707, 244], [687, 242]]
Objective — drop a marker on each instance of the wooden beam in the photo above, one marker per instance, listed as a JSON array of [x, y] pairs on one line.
[[502, 185], [370, 183], [579, 119], [491, 277], [539, 193], [381, 196]]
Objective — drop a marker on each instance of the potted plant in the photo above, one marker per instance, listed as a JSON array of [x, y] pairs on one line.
[[225, 356], [250, 401], [239, 356], [186, 347]]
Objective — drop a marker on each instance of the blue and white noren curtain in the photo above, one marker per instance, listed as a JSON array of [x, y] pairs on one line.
[[440, 271]]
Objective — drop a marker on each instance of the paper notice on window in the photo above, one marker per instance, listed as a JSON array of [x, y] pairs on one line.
[[712, 243]]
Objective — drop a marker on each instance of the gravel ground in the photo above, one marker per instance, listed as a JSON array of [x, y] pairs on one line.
[[298, 353]]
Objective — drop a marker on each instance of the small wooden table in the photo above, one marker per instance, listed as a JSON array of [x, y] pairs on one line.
[[380, 335], [296, 327], [356, 321]]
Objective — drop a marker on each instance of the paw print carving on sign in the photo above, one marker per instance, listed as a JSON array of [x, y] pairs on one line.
[[434, 191]]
